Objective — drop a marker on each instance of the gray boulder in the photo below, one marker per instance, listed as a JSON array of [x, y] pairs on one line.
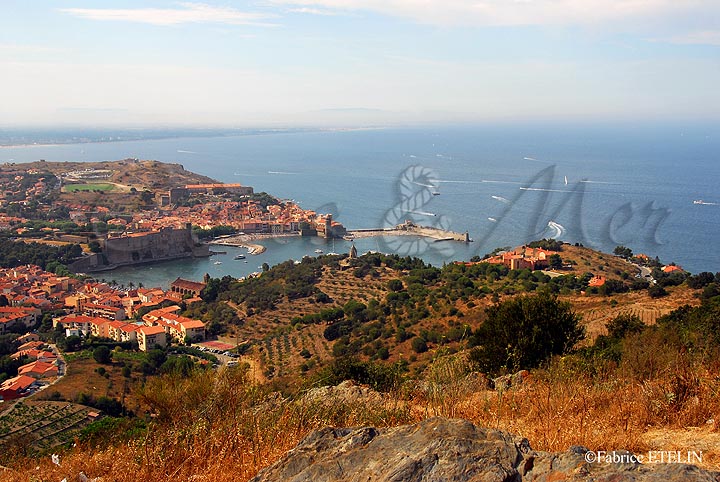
[[440, 449]]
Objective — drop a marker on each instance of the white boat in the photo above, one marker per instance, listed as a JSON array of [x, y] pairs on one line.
[[566, 180], [333, 253], [240, 256], [435, 193], [699, 201], [319, 251], [217, 262]]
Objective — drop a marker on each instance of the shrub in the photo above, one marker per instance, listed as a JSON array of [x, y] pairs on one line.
[[523, 332], [419, 345], [395, 285], [379, 376], [657, 291], [623, 325], [102, 354]]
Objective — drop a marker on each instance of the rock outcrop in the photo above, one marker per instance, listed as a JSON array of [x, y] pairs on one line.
[[346, 392], [440, 449]]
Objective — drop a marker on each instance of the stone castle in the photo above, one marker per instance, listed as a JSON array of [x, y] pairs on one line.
[[143, 247]]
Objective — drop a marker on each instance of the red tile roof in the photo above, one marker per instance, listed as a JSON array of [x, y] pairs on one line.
[[672, 268], [152, 330], [39, 368], [16, 384]]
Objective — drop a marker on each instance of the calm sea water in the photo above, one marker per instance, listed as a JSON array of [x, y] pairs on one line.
[[600, 185]]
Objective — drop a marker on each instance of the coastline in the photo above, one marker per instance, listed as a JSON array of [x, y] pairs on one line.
[[249, 241], [246, 241], [25, 146], [207, 136]]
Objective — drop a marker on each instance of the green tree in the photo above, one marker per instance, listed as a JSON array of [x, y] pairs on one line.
[[102, 354], [419, 345], [94, 246], [623, 325], [395, 285], [623, 252], [657, 291], [181, 366], [556, 261], [156, 358], [523, 332], [72, 343]]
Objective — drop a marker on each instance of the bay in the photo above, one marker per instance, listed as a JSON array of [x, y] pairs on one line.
[[600, 185]]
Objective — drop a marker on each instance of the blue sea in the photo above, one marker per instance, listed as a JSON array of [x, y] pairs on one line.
[[600, 185]]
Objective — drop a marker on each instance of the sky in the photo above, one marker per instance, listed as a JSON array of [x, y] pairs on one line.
[[356, 62]]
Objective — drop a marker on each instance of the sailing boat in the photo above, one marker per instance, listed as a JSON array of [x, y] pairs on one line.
[[333, 253]]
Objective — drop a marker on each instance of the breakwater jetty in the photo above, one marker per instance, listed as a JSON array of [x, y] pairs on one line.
[[408, 228]]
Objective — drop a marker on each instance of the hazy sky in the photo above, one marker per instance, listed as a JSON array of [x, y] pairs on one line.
[[238, 63]]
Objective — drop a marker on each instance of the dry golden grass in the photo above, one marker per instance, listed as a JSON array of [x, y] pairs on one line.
[[588, 260], [220, 427], [560, 407], [597, 311], [82, 376]]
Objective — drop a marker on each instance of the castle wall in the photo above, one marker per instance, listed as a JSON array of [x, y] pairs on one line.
[[139, 248]]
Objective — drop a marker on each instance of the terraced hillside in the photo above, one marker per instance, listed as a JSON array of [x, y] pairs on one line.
[[41, 425], [297, 318], [282, 348], [598, 311]]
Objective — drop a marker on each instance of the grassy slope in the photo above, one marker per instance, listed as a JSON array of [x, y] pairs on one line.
[[100, 186], [83, 377], [225, 428]]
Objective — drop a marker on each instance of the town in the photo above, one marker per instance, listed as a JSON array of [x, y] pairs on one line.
[[31, 194], [122, 219], [136, 317]]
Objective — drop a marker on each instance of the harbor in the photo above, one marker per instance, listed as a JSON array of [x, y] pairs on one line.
[[408, 228]]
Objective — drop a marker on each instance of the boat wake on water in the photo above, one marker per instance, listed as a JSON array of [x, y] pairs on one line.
[[544, 189], [501, 199], [422, 213], [557, 229]]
